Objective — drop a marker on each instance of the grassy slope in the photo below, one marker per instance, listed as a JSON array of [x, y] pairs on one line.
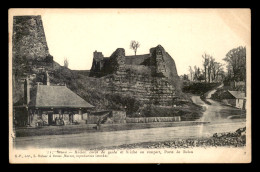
[[198, 88], [91, 90]]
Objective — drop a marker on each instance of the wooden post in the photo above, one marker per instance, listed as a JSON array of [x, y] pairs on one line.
[[80, 113], [40, 114], [29, 116], [60, 113]]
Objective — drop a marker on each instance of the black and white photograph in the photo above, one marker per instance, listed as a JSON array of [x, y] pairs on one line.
[[129, 85]]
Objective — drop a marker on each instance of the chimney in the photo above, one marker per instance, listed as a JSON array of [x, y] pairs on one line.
[[27, 91], [47, 79]]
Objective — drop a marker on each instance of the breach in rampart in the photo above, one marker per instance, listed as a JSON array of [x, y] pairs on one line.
[[151, 78]]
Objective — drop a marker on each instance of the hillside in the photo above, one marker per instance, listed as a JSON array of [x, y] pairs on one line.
[[94, 91], [31, 59]]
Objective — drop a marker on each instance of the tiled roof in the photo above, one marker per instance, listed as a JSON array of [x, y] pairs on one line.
[[237, 94], [55, 97]]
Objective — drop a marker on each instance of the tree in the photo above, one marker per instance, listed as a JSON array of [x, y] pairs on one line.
[[210, 66], [191, 74], [236, 59], [205, 64], [134, 45], [195, 77], [216, 69], [66, 63], [196, 73], [201, 77], [185, 77]]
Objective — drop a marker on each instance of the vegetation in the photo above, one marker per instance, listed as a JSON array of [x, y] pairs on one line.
[[198, 88], [134, 45], [212, 72], [219, 94], [92, 91], [236, 64]]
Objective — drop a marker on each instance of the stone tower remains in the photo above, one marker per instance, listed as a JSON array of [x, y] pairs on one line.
[[29, 41], [149, 77]]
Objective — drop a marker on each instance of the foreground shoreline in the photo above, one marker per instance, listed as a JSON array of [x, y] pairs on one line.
[[226, 139]]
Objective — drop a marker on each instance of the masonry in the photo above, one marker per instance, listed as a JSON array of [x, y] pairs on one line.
[[151, 78], [30, 52]]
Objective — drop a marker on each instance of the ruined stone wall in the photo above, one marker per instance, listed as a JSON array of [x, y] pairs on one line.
[[29, 39], [153, 119], [164, 65], [155, 90], [154, 82], [30, 51]]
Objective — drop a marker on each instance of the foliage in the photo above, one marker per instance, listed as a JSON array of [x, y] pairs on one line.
[[134, 45], [198, 88], [236, 59], [218, 95]]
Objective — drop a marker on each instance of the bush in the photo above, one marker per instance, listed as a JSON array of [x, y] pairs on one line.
[[198, 88]]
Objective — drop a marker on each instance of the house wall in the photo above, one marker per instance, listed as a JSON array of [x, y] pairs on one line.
[[20, 116], [38, 117], [240, 103]]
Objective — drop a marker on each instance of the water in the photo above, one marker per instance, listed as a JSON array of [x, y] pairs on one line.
[[216, 114], [115, 138]]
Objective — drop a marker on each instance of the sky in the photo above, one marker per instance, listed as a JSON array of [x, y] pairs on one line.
[[185, 34]]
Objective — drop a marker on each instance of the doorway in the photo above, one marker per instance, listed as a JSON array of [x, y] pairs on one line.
[[50, 118], [71, 118]]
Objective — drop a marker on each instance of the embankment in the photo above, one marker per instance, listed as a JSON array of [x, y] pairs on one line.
[[228, 139]]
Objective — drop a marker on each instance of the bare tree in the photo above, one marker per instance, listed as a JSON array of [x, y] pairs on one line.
[[134, 45], [191, 73], [66, 63], [216, 69], [205, 64], [196, 73], [210, 66]]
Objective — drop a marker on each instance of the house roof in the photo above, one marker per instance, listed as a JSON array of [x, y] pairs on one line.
[[56, 97], [237, 94]]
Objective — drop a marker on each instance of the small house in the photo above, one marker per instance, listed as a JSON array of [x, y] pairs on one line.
[[49, 105], [235, 98]]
